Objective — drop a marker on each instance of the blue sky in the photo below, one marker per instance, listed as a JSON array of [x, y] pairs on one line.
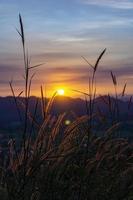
[[58, 33]]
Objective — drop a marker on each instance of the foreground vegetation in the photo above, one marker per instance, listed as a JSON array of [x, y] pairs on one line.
[[58, 162]]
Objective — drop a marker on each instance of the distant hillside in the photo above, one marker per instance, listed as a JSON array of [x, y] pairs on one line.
[[9, 114]]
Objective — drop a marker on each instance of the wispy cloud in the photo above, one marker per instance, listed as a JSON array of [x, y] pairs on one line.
[[110, 23], [119, 4]]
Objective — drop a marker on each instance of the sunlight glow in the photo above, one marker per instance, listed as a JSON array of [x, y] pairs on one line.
[[60, 92], [67, 122]]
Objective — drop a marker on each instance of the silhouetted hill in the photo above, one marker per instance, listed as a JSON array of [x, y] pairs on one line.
[[9, 115]]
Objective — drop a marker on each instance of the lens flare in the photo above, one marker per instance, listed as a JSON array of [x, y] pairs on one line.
[[67, 122]]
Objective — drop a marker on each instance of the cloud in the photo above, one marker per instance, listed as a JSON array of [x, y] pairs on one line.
[[118, 4], [57, 55], [81, 73], [70, 39], [9, 68], [72, 77], [106, 23]]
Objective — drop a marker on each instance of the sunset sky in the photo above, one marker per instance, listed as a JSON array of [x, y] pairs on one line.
[[58, 33]]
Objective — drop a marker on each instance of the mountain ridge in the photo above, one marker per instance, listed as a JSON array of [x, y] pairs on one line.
[[61, 104]]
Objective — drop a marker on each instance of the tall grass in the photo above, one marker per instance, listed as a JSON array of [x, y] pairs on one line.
[[66, 162]]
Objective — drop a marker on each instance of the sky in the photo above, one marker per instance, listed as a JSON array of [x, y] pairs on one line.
[[58, 33]]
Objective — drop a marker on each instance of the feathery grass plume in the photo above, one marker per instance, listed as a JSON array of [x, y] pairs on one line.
[[112, 129], [55, 130], [32, 126], [44, 133], [92, 93], [124, 89], [130, 103], [129, 106], [111, 109], [26, 138], [22, 30], [77, 122], [43, 103], [98, 60], [113, 78], [15, 100], [116, 111], [29, 114], [26, 77], [30, 82], [21, 33], [49, 104]]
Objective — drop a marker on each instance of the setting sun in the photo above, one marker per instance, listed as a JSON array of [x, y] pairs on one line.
[[60, 92]]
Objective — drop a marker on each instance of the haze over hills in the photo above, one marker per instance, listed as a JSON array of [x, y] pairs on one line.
[[9, 115]]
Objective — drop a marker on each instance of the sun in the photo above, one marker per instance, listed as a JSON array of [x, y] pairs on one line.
[[60, 92]]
